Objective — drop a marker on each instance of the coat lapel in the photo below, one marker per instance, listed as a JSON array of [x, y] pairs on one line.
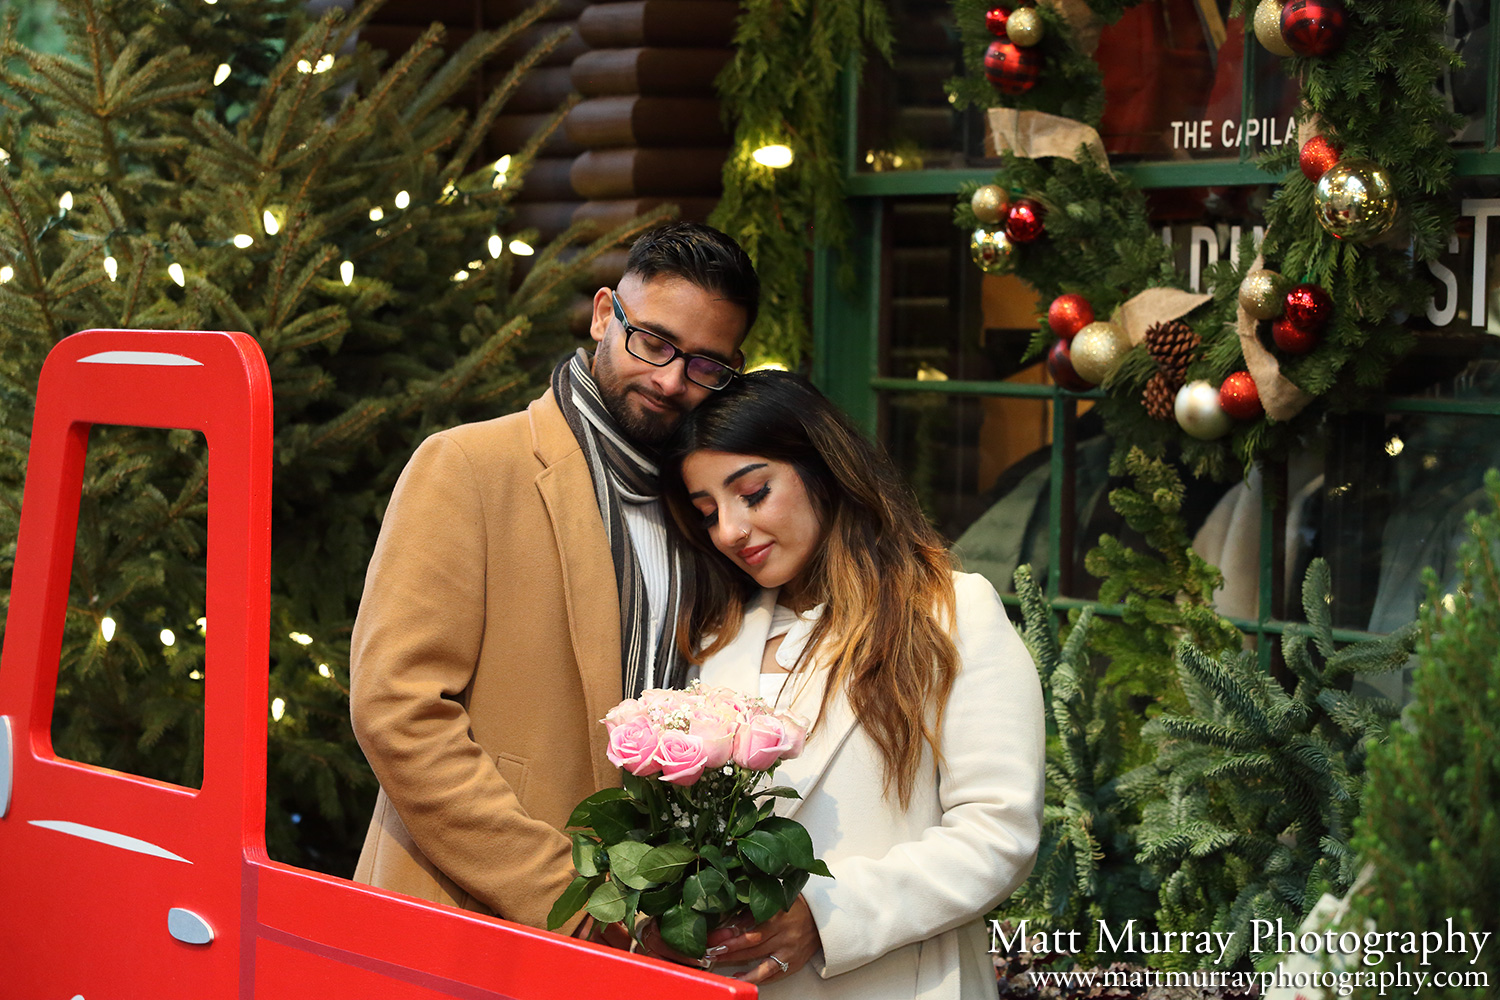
[[593, 602], [737, 666]]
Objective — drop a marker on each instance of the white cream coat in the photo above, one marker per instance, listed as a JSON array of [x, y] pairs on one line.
[[902, 917]]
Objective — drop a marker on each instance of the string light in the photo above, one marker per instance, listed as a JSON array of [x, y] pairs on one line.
[[300, 638], [460, 276], [775, 156], [377, 213], [402, 199], [323, 669], [476, 265], [303, 66], [278, 709], [243, 240], [66, 201], [268, 221], [521, 248], [175, 270], [502, 171], [107, 628], [221, 74], [196, 675], [168, 637], [496, 246], [346, 271], [6, 273], [111, 268], [4, 156], [449, 193], [202, 624], [324, 64], [1394, 446]]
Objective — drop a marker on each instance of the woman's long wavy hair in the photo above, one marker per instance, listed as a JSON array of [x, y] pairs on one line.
[[882, 570]]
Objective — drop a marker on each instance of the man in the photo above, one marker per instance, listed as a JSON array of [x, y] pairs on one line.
[[524, 583]]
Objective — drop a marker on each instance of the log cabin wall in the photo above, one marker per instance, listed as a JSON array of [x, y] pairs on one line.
[[647, 131]]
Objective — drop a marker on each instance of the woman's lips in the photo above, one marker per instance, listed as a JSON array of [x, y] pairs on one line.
[[756, 554]]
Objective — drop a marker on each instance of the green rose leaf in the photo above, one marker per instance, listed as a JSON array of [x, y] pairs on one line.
[[655, 902], [685, 930], [625, 863], [709, 892], [665, 863], [715, 857], [585, 855], [744, 823], [791, 886], [764, 850], [584, 811], [765, 898], [616, 819], [609, 903], [798, 845], [780, 791], [573, 897]]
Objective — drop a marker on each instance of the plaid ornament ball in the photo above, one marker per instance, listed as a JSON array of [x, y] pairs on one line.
[[1012, 69]]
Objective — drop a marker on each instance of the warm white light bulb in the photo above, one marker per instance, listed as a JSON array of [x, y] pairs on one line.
[[496, 246], [323, 669], [460, 275], [502, 164], [775, 156], [268, 221], [377, 213], [175, 270], [346, 271], [300, 638], [202, 624], [303, 66], [402, 199], [196, 675], [278, 708], [111, 267], [1394, 446], [324, 64], [243, 240], [66, 201], [107, 628], [521, 248], [168, 637], [4, 156], [6, 273], [221, 74]]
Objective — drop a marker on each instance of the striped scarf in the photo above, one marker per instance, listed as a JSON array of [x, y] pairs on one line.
[[623, 473]]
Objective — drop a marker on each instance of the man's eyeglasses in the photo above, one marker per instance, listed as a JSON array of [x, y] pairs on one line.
[[660, 352]]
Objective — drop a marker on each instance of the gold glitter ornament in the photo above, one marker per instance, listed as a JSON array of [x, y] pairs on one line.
[[1025, 27], [990, 204], [1268, 27], [1355, 200], [1263, 294], [992, 250], [1098, 349]]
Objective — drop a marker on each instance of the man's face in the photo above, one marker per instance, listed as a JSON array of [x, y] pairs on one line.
[[647, 401]]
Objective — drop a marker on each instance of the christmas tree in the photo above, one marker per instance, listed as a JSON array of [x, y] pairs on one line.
[[1431, 826], [244, 166]]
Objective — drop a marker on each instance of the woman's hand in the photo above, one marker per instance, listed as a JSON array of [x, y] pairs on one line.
[[790, 936]]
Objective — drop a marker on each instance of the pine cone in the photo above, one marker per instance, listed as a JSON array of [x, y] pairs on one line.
[[1172, 346], [1161, 396]]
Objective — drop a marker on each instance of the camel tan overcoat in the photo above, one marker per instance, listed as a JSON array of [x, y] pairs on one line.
[[486, 649]]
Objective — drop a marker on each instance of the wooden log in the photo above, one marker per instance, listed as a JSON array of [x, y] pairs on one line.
[[604, 122], [606, 215], [549, 218], [635, 172], [424, 12], [653, 72], [549, 179], [543, 89], [500, 11], [571, 48], [511, 132], [686, 23]]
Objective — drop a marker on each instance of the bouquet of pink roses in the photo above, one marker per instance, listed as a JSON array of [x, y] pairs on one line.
[[685, 841]]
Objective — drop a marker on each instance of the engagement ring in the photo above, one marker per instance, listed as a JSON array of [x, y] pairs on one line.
[[784, 966]]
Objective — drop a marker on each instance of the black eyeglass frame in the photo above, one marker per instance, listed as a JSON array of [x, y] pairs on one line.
[[677, 352]]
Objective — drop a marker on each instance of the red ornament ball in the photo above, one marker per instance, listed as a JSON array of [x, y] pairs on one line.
[[1291, 338], [1313, 27], [1308, 308], [1060, 364], [1024, 223], [1239, 398], [1068, 314], [995, 19], [1316, 157], [1012, 69]]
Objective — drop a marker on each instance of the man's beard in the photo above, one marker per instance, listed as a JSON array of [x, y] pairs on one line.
[[641, 426]]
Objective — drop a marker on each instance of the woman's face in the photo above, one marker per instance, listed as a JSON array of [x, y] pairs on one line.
[[756, 511]]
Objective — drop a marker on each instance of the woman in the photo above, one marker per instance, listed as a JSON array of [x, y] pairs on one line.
[[821, 587]]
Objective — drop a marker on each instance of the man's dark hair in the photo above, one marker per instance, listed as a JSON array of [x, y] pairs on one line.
[[702, 255]]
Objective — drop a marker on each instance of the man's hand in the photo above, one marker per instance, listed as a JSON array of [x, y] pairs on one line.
[[791, 937]]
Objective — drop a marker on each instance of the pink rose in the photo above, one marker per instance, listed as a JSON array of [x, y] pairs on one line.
[[761, 742], [716, 728], [682, 758], [626, 711], [796, 733], [632, 745]]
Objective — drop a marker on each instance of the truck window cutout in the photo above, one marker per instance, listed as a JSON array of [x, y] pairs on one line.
[[132, 672]]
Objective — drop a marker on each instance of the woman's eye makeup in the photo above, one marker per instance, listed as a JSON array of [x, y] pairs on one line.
[[752, 499]]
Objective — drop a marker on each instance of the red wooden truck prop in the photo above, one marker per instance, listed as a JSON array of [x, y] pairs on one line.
[[116, 886]]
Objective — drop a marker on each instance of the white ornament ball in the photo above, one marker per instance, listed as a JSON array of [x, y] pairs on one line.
[[1098, 349], [1198, 411]]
